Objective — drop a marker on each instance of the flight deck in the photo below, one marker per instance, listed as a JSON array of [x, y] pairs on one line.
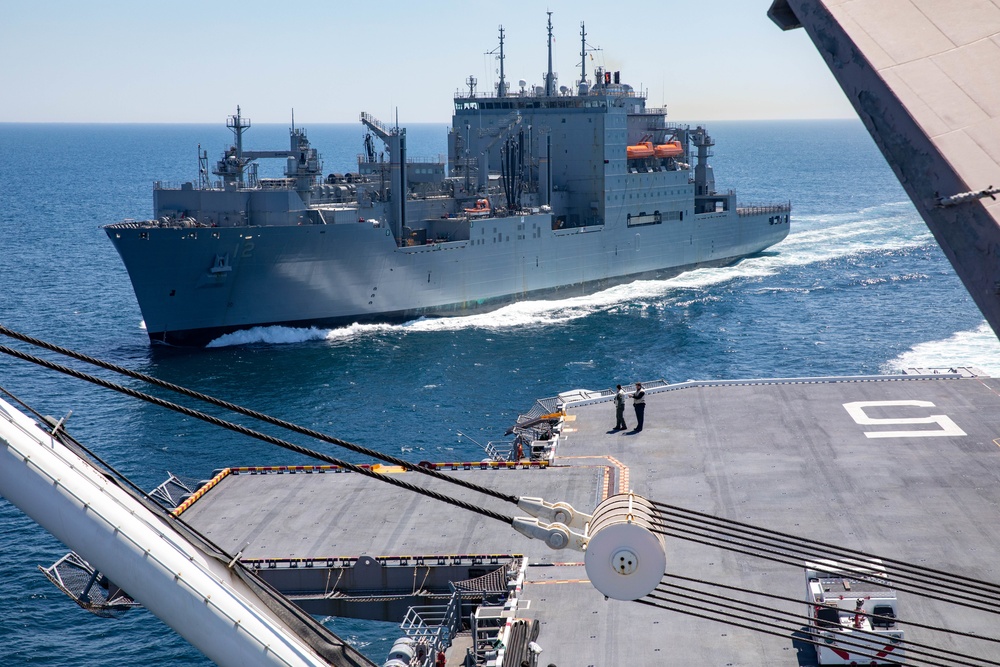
[[905, 467]]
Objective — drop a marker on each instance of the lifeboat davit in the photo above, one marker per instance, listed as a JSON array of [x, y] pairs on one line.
[[639, 151], [482, 206], [669, 149]]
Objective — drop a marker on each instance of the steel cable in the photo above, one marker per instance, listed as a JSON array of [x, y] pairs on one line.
[[728, 602], [663, 508], [799, 601], [763, 627], [275, 421], [786, 559], [699, 603], [749, 533], [254, 434], [947, 579]]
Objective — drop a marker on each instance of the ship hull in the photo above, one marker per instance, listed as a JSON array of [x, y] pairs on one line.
[[196, 284]]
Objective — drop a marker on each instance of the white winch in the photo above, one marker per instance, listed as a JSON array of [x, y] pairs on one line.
[[624, 558]]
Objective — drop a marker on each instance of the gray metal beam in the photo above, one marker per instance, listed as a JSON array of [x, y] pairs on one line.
[[921, 76]]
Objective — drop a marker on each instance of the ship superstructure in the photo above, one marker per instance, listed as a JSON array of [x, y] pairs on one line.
[[547, 192]]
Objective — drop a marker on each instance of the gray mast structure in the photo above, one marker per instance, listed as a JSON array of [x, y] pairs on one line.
[[303, 162], [584, 88], [550, 78], [502, 84], [395, 139], [230, 167]]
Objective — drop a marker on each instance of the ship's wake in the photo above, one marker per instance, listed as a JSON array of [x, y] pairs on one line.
[[816, 239], [978, 348]]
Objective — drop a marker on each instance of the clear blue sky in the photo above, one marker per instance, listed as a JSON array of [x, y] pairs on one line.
[[180, 61]]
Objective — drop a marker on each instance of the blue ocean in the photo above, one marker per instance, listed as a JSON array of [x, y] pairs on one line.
[[858, 287]]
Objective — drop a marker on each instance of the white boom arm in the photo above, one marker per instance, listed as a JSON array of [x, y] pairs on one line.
[[194, 594]]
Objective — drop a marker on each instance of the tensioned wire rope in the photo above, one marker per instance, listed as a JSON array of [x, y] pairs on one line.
[[682, 529], [243, 430], [239, 409], [782, 548], [770, 622], [734, 546], [754, 610]]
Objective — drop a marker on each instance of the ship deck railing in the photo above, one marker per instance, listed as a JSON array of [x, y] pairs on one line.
[[615, 90], [763, 209], [172, 185], [546, 406], [434, 625]]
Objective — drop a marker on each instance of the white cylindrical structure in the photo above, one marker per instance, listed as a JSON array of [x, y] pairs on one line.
[[401, 654], [196, 595], [625, 559]]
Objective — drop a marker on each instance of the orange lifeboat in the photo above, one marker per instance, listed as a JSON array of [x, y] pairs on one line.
[[669, 149], [640, 150]]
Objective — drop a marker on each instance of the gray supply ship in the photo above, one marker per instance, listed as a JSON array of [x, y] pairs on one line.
[[548, 192]]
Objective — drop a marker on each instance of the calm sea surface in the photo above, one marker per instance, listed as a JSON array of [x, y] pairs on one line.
[[859, 287]]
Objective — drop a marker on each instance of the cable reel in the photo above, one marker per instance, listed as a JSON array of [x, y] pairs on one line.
[[624, 558]]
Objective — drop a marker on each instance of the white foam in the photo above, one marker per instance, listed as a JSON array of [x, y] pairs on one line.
[[978, 347], [272, 335], [893, 226]]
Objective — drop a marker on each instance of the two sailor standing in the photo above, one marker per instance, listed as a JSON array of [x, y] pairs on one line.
[[638, 402]]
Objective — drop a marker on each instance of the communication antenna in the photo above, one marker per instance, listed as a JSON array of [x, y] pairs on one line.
[[502, 85], [549, 77], [584, 50], [471, 83]]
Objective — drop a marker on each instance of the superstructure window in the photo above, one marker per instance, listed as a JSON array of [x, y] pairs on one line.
[[654, 218]]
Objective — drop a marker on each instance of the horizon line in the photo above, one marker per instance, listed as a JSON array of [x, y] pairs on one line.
[[423, 122]]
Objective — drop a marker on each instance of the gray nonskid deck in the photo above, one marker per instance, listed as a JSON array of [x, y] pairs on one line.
[[345, 514], [785, 455]]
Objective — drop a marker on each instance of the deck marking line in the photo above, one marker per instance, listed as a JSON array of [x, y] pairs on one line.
[[623, 472], [202, 491]]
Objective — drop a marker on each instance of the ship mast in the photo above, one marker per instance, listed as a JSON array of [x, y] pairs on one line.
[[584, 50], [502, 85], [237, 124], [549, 77]]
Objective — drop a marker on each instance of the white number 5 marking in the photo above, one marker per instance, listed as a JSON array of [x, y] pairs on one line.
[[947, 426]]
